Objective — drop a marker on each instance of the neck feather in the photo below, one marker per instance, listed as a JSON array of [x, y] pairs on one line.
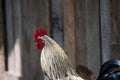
[[54, 61]]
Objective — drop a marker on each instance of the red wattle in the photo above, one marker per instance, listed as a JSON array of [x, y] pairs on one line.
[[40, 44]]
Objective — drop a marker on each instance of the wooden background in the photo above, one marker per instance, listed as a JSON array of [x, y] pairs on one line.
[[88, 30]]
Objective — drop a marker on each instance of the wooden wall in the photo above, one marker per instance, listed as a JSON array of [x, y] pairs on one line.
[[87, 34], [110, 30], [88, 30]]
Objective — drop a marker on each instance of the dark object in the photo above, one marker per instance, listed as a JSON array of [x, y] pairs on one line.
[[84, 72], [110, 70]]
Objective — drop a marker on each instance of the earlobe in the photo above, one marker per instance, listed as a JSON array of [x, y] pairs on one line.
[[40, 44]]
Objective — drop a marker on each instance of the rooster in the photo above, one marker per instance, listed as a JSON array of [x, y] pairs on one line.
[[54, 61], [110, 70]]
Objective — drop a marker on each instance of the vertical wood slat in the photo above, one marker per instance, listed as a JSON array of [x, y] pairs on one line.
[[81, 46], [10, 36], [43, 15], [57, 21], [115, 22], [2, 45], [114, 29], [87, 34], [25, 34], [105, 29], [17, 33], [69, 30], [92, 31]]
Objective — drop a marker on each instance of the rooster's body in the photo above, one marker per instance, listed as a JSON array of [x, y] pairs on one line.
[[54, 61]]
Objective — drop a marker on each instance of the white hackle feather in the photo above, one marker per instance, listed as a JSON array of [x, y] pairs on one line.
[[55, 63]]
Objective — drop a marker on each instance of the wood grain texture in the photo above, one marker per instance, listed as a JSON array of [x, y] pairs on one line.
[[92, 31], [17, 37], [10, 36], [57, 27], [105, 29], [69, 29], [87, 34], [81, 44], [115, 29]]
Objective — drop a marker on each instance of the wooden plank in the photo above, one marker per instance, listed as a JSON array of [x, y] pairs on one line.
[[10, 36], [57, 21], [105, 29], [2, 45], [87, 34], [17, 37], [92, 37], [115, 29], [69, 29], [81, 45]]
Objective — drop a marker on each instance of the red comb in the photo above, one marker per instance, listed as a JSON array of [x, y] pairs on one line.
[[39, 32]]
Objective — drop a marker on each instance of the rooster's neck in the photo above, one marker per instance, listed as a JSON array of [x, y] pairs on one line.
[[54, 61]]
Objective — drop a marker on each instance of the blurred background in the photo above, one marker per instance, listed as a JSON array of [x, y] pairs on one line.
[[88, 30]]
